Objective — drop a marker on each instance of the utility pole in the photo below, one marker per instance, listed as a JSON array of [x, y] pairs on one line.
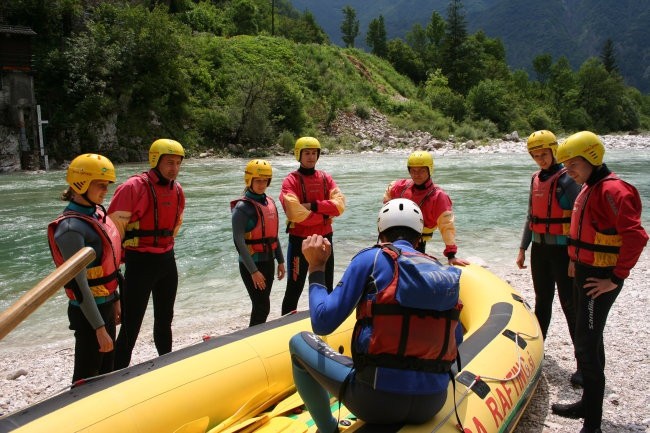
[[272, 17], [41, 143]]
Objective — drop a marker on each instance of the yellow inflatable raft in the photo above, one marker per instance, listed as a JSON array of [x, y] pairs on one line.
[[241, 382]]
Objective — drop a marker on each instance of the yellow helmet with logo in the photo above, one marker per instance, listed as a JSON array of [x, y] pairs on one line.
[[164, 146], [86, 168], [585, 144], [305, 143], [421, 158], [257, 168], [542, 139]]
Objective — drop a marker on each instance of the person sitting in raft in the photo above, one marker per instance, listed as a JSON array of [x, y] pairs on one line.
[[380, 384], [255, 227], [93, 307]]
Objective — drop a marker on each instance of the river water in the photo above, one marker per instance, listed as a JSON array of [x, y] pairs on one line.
[[489, 192]]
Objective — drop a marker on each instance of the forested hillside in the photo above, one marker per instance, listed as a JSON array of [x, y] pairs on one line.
[[575, 29], [249, 76]]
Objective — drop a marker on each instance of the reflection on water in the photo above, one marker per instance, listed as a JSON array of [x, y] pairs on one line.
[[489, 193]]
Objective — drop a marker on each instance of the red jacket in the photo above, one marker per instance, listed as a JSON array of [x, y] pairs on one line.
[[323, 195], [155, 212], [436, 209], [607, 212]]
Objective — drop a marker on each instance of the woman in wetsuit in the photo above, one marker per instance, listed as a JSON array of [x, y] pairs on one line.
[[93, 307], [255, 227]]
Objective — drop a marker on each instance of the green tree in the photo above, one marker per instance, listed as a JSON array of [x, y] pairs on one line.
[[608, 57], [405, 60], [436, 29], [303, 29], [418, 40], [120, 71], [491, 100], [542, 67], [605, 98], [204, 17], [455, 51], [349, 26], [376, 37], [487, 59], [245, 17], [442, 98]]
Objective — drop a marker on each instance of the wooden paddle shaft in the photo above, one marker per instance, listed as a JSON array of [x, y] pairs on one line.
[[30, 301]]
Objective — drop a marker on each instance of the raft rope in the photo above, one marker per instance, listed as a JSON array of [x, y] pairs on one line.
[[70, 386]]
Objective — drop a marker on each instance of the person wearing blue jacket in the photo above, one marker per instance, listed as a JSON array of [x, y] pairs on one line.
[[389, 378]]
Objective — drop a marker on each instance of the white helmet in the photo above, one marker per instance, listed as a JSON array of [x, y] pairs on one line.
[[400, 212]]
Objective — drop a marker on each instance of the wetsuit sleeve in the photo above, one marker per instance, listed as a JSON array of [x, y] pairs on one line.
[[527, 234], [241, 217], [329, 311], [70, 237], [568, 192], [279, 257]]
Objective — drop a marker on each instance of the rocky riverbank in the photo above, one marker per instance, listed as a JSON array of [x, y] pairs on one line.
[[376, 134]]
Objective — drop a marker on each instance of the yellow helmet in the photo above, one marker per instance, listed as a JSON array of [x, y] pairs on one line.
[[421, 158], [305, 143], [542, 140], [164, 146], [257, 168], [585, 144], [86, 168]]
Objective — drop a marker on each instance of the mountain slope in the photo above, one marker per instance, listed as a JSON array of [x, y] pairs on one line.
[[576, 29]]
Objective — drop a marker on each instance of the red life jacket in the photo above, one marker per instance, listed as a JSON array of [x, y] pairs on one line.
[[421, 198], [586, 244], [264, 236], [156, 227], [102, 279], [546, 215], [412, 320], [312, 188]]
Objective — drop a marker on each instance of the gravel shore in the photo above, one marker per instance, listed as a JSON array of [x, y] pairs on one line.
[[29, 374]]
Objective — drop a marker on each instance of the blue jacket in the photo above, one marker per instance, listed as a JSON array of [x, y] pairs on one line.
[[329, 311]]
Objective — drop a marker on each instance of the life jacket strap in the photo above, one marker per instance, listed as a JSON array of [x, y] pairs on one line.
[[539, 220], [611, 249], [137, 233]]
